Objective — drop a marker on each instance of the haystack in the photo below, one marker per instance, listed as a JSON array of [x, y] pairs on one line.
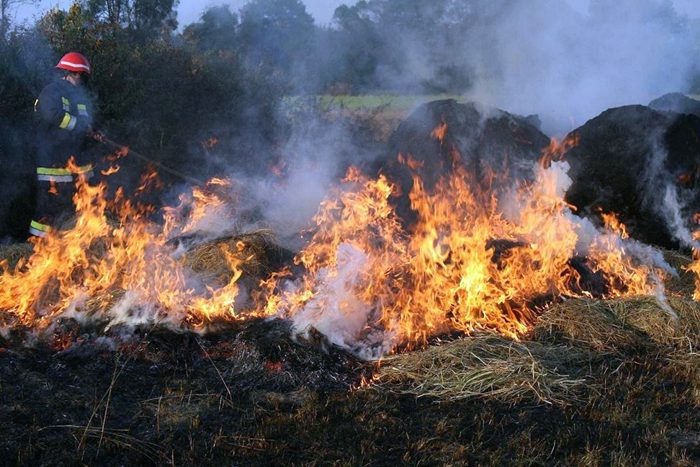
[[486, 141], [629, 160]]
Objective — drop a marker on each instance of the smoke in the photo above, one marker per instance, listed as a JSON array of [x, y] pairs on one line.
[[337, 313], [286, 193], [542, 56]]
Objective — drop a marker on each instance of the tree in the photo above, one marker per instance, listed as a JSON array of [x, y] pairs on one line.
[[277, 34], [216, 31], [149, 18], [5, 6]]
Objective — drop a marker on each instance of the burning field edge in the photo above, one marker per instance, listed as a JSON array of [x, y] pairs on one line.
[[593, 382], [511, 332]]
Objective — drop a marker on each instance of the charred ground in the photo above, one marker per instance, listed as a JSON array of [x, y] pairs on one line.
[[594, 382]]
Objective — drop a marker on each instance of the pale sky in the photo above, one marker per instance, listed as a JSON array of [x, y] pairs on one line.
[[322, 10]]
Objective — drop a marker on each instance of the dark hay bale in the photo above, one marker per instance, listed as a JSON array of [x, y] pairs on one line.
[[676, 102], [626, 159]]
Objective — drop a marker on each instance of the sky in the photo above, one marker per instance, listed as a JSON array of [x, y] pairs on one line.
[[322, 10]]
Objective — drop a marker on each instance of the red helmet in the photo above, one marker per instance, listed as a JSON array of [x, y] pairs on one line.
[[75, 62]]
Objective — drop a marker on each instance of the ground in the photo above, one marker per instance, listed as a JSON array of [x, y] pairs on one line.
[[594, 382]]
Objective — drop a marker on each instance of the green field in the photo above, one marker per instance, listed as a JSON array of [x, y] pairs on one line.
[[396, 103]]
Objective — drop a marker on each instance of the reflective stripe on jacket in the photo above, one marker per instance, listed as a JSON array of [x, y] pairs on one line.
[[64, 114]]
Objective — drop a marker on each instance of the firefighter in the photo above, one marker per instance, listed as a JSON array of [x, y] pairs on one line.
[[64, 116]]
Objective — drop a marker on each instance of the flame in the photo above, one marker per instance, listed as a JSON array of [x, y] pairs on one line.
[[53, 189], [122, 271], [111, 170], [694, 267], [150, 180], [120, 153], [440, 132], [210, 142], [206, 208], [556, 149], [476, 259]]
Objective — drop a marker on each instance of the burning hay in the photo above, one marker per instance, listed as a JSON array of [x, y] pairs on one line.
[[485, 251], [481, 253], [442, 135], [258, 253], [127, 273], [10, 255]]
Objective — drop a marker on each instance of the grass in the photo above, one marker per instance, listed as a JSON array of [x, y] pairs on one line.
[[488, 366], [387, 102]]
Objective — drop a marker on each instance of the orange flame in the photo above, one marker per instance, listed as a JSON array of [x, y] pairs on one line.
[[120, 153], [556, 149], [110, 170], [475, 259], [123, 273], [440, 132]]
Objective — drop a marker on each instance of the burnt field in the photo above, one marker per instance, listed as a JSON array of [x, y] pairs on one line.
[[475, 294], [594, 382]]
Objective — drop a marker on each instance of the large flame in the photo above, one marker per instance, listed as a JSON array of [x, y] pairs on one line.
[[477, 257]]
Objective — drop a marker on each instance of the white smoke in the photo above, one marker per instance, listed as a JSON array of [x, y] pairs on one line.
[[336, 312], [542, 56]]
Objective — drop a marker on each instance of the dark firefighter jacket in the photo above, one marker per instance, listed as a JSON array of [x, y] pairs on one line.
[[64, 116]]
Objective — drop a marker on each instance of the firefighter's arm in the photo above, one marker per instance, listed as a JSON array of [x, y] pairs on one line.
[[55, 110]]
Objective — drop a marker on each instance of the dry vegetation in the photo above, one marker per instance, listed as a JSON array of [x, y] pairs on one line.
[[594, 382]]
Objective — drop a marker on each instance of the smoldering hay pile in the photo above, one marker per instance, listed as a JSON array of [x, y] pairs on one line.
[[464, 227], [643, 165]]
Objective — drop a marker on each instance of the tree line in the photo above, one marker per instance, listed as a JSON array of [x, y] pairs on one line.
[[167, 88]]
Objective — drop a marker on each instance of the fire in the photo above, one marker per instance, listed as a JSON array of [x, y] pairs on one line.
[[556, 149], [120, 153], [694, 267], [205, 208], [111, 170], [122, 271], [440, 132], [475, 259]]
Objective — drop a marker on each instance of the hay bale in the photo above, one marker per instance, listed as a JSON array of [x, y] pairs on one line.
[[488, 366], [488, 142], [684, 283], [259, 256], [587, 323], [626, 159], [13, 253], [620, 325], [676, 102]]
